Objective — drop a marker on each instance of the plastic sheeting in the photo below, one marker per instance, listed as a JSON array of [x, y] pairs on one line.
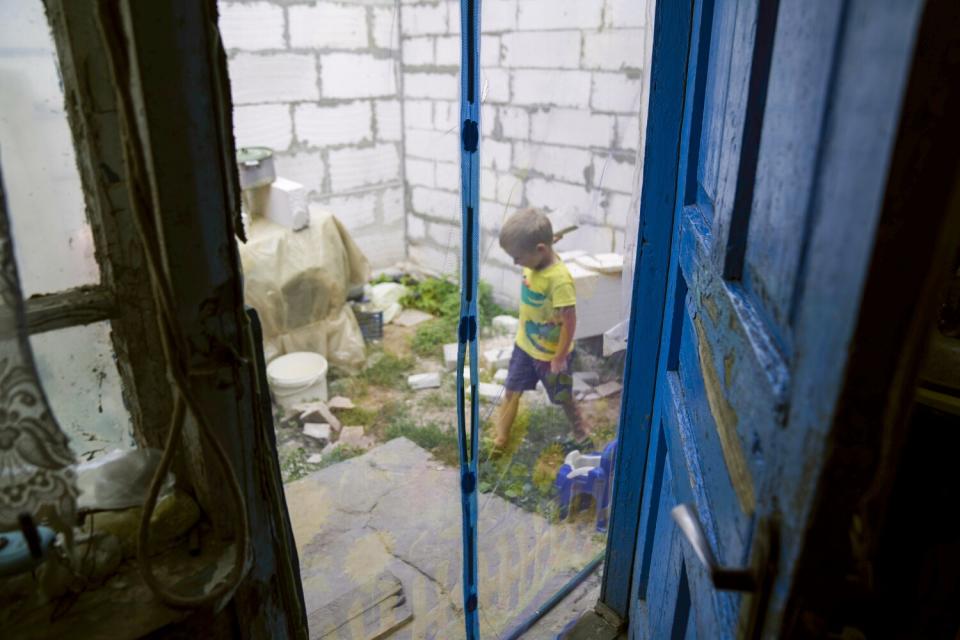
[[298, 283]]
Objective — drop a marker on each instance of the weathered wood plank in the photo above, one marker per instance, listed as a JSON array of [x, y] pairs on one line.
[[369, 612], [79, 306]]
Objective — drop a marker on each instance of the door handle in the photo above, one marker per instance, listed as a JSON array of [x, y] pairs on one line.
[[756, 580]]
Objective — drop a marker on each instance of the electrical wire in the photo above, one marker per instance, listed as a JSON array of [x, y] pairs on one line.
[[173, 341]]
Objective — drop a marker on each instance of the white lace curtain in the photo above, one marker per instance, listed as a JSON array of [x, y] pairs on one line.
[[37, 475]]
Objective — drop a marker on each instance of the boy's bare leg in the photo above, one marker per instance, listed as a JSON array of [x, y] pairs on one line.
[[572, 409], [505, 417]]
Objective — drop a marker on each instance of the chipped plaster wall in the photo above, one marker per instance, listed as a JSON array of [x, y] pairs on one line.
[[318, 82], [562, 92]]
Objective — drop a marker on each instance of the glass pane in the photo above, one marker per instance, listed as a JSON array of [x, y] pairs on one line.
[[53, 240], [79, 375], [563, 91]]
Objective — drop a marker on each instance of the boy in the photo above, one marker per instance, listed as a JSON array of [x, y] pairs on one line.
[[548, 319]]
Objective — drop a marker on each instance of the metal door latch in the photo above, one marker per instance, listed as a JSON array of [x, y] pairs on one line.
[[756, 580]]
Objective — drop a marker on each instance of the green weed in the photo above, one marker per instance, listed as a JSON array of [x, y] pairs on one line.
[[387, 371]]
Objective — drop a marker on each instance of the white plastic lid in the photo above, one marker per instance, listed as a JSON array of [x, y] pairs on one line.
[[298, 369]]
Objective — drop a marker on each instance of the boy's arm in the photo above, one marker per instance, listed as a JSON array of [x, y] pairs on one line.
[[568, 326]]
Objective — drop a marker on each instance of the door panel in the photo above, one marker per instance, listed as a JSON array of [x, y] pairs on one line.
[[735, 345]]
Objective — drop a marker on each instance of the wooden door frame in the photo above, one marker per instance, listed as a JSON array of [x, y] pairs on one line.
[[671, 45]]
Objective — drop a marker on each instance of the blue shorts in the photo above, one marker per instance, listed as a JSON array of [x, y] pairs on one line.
[[524, 371]]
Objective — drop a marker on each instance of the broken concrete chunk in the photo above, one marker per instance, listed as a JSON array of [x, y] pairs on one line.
[[411, 317], [339, 402], [315, 458], [490, 391], [609, 388], [500, 377], [318, 412], [419, 381], [317, 430], [498, 358], [580, 387], [450, 356], [505, 325], [353, 437], [591, 396], [591, 378]]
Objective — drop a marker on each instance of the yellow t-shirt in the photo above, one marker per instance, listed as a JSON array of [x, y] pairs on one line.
[[541, 294]]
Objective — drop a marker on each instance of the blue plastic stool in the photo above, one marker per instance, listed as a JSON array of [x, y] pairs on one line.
[[587, 475]]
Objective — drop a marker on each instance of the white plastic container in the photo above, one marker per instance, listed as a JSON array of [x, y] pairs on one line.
[[298, 377]]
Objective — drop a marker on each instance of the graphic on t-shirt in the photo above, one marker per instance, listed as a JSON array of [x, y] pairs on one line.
[[549, 332], [533, 298]]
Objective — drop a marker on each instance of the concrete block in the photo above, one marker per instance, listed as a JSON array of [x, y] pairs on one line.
[[495, 154], [351, 168], [305, 167], [355, 212], [318, 412], [563, 163], [389, 121], [498, 358], [439, 86], [439, 260], [488, 184], [251, 27], [616, 92], [544, 50], [613, 173], [488, 118], [287, 204], [573, 127], [317, 431], [431, 145], [392, 208], [500, 377], [495, 85], [446, 117], [505, 325], [609, 388], [418, 51], [448, 51], [340, 402], [559, 196], [353, 437], [450, 356], [267, 125], [328, 26], [433, 202], [315, 458], [425, 19], [325, 126], [498, 15], [580, 387], [418, 114], [628, 132], [591, 378], [626, 13], [286, 77], [514, 123], [448, 176], [618, 210], [420, 381], [509, 189], [357, 75], [383, 245], [489, 51], [560, 14], [453, 17], [386, 28], [416, 227], [551, 87], [592, 238], [419, 172], [490, 392], [619, 49]]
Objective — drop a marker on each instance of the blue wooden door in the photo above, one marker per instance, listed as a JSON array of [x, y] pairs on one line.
[[788, 115]]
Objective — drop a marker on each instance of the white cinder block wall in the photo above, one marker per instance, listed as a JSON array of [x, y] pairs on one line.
[[360, 99], [318, 82], [562, 83]]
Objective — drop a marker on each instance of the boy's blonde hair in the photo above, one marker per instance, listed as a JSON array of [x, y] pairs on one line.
[[525, 229]]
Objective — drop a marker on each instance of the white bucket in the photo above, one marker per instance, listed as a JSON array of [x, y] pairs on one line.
[[298, 377]]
